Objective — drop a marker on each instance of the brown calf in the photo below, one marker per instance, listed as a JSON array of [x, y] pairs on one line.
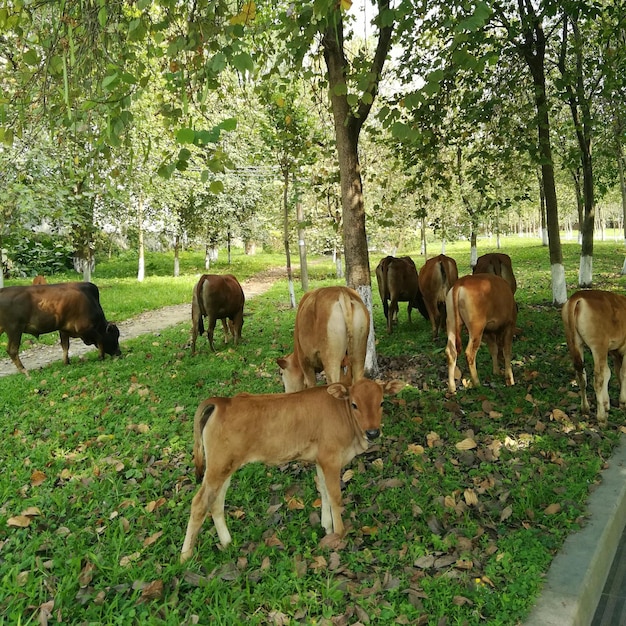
[[597, 319], [327, 426], [398, 282], [217, 297], [40, 279], [499, 264], [330, 334], [435, 280], [485, 304]]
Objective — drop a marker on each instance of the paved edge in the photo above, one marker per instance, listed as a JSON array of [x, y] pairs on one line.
[[578, 573]]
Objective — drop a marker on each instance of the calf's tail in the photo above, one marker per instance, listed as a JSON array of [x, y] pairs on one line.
[[203, 413], [457, 318], [345, 302]]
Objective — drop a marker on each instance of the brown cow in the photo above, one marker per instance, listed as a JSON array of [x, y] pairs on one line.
[[327, 426], [435, 280], [40, 279], [499, 264], [330, 334], [398, 282], [597, 319], [71, 308], [485, 304], [217, 297]]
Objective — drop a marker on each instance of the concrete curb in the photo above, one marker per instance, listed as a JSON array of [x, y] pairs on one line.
[[578, 573]]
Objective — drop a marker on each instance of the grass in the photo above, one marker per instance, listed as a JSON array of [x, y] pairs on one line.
[[97, 479]]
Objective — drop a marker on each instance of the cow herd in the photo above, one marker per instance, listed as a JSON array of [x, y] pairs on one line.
[[329, 425]]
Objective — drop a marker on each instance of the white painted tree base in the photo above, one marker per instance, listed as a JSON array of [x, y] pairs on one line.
[[585, 271], [559, 286]]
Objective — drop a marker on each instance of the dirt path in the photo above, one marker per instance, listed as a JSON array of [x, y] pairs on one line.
[[149, 322]]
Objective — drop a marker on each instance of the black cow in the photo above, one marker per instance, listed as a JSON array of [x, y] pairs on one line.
[[71, 308]]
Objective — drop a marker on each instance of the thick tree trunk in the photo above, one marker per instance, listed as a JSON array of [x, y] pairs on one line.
[[347, 128]]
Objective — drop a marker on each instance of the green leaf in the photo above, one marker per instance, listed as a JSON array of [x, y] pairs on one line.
[[352, 99], [229, 124], [216, 186], [340, 89], [30, 57], [109, 81], [243, 62], [185, 135], [367, 98], [102, 16], [218, 62], [399, 130]]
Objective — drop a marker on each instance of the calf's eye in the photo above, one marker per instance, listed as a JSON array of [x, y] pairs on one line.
[[354, 406]]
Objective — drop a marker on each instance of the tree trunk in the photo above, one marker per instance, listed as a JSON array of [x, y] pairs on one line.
[[304, 271], [622, 186], [176, 255], [207, 257], [292, 295], [347, 128], [473, 248], [141, 266], [533, 51], [542, 212]]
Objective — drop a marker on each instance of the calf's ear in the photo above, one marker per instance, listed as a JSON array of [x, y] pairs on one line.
[[337, 390], [282, 363], [393, 386]]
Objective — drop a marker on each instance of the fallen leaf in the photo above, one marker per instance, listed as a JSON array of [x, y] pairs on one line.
[[148, 541], [347, 475], [432, 438], [471, 499], [506, 513], [19, 521], [552, 509], [294, 504], [466, 444], [86, 574], [152, 591], [37, 477], [319, 563]]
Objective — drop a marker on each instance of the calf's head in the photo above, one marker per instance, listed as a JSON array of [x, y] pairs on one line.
[[366, 402], [291, 373]]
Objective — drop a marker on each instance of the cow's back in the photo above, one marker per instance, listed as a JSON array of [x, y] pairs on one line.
[[487, 296], [499, 264], [220, 295], [599, 317]]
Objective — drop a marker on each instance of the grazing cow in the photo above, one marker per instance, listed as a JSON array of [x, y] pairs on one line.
[[71, 308], [499, 264], [327, 426], [40, 279], [330, 334], [217, 297], [485, 304], [398, 282], [435, 280], [597, 319]]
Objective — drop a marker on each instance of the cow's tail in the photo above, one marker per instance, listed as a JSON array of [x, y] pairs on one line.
[[571, 328], [203, 413], [444, 278], [200, 304], [345, 302]]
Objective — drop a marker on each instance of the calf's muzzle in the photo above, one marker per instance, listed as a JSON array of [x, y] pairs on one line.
[[372, 433]]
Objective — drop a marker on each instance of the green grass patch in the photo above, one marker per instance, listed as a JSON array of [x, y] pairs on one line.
[[97, 478]]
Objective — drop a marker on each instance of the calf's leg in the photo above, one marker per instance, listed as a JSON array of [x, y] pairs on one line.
[[601, 376], [330, 491], [620, 374], [507, 352], [208, 498], [470, 353]]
